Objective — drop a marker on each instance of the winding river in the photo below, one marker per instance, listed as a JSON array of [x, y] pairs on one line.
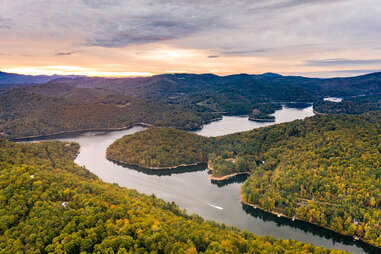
[[192, 190]]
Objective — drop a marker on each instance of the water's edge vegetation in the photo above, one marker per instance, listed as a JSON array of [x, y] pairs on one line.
[[49, 204], [322, 147]]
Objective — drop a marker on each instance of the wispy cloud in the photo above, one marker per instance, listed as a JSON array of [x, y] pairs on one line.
[[270, 5], [342, 62], [247, 52], [96, 4], [67, 53], [335, 73], [147, 29], [261, 35], [5, 23]]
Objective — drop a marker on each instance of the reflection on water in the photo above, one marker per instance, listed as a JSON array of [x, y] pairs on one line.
[[234, 179], [232, 124], [193, 190], [307, 227], [165, 171]]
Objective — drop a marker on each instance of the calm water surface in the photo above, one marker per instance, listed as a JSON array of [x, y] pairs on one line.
[[232, 124], [194, 192]]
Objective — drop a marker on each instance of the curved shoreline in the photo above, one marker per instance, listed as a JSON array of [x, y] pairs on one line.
[[80, 131], [276, 219], [226, 177], [319, 113], [157, 168], [297, 219], [262, 120]]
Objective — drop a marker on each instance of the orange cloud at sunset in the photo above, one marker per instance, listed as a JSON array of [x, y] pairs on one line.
[[109, 38]]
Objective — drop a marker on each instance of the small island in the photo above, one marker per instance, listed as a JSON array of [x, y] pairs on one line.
[[258, 116], [160, 148], [262, 112]]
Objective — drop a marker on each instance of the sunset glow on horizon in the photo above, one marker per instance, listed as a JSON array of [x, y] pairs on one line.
[[72, 70], [110, 39]]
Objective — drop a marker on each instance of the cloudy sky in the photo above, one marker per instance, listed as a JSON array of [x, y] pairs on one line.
[[142, 37]]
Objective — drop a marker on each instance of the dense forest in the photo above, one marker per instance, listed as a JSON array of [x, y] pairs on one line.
[[233, 94], [184, 101], [355, 105], [160, 148], [325, 170], [29, 114], [48, 204]]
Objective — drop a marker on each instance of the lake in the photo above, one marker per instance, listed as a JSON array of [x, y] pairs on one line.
[[192, 190]]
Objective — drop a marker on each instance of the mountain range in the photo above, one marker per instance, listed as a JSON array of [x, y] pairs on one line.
[[185, 101]]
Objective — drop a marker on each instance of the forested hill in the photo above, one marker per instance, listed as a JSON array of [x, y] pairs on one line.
[[253, 88], [11, 79], [23, 113], [351, 105], [184, 101], [233, 94], [160, 148], [50, 205], [325, 169]]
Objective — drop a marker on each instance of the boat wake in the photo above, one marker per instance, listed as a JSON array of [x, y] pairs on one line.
[[217, 207]]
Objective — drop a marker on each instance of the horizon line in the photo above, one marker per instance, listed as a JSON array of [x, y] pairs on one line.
[[116, 75]]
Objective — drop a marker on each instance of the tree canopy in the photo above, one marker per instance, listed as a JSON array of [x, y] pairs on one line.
[[50, 205], [325, 170], [160, 148]]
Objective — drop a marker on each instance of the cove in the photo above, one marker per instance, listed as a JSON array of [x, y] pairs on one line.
[[192, 190]]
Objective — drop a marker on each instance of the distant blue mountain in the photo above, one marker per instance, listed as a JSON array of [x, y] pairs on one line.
[[270, 74], [12, 79]]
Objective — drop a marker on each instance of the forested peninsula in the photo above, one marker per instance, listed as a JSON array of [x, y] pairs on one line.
[[324, 170], [49, 204], [160, 148]]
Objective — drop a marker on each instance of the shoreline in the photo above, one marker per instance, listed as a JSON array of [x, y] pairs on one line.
[[81, 131], [156, 168], [223, 178], [210, 121], [319, 113], [272, 120], [294, 218], [226, 177]]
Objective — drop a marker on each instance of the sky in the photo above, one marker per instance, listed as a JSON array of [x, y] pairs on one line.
[[115, 38]]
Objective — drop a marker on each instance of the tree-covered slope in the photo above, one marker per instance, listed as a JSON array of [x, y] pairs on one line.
[[355, 105], [325, 170], [183, 101], [234, 94], [160, 148], [331, 179], [13, 79], [24, 113], [50, 205]]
